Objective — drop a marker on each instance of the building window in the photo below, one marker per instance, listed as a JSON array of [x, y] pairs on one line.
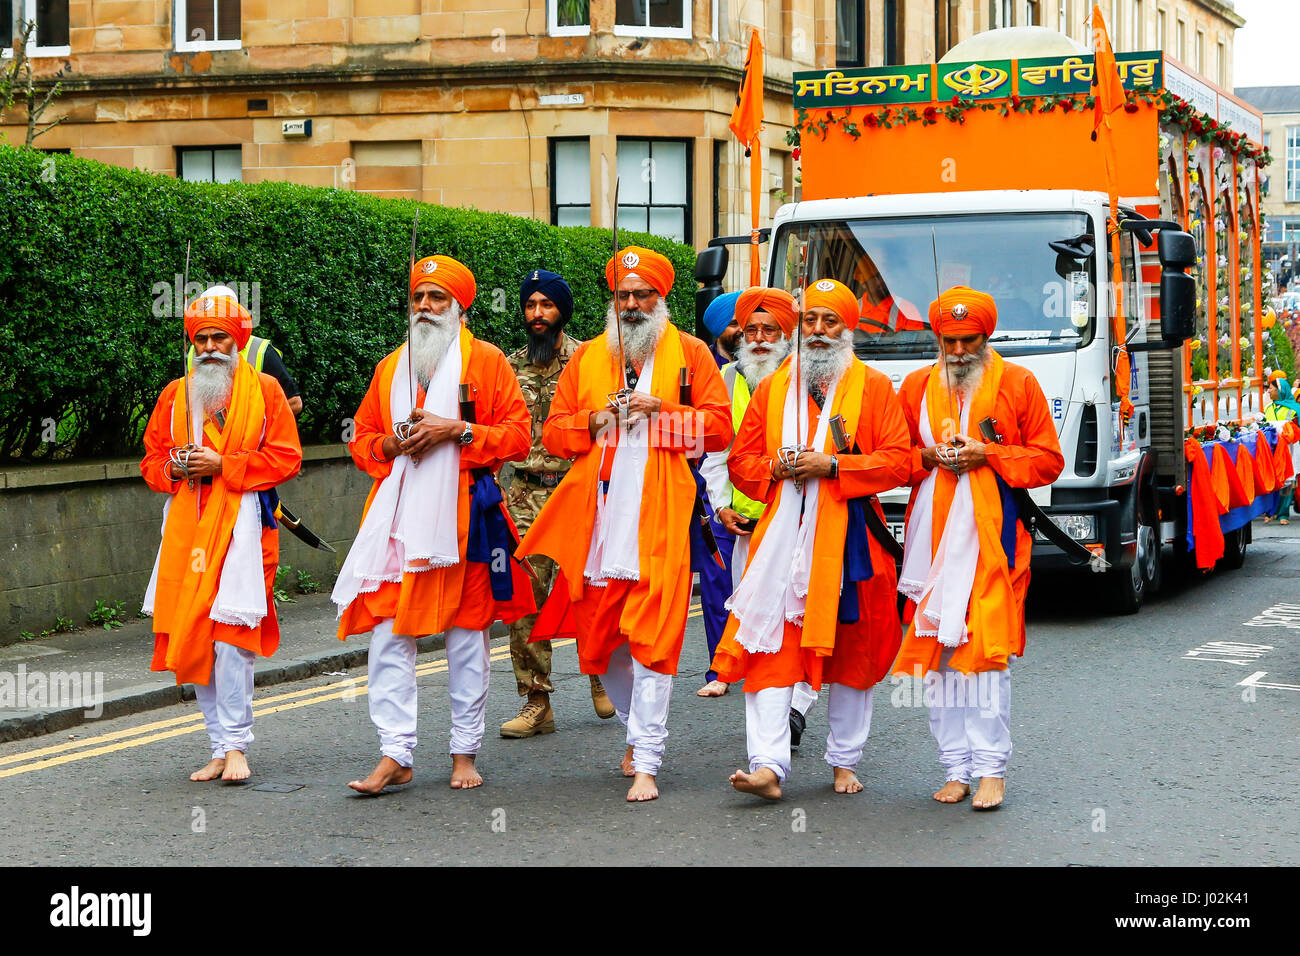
[[893, 32], [7, 19], [999, 14], [1222, 64], [850, 19], [1139, 31], [568, 18], [393, 169], [209, 164], [207, 25], [571, 182], [1181, 38], [652, 18], [1294, 164], [1200, 52], [654, 187], [50, 38], [1162, 30], [1030, 14]]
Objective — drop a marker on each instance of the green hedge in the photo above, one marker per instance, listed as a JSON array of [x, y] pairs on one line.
[[83, 244]]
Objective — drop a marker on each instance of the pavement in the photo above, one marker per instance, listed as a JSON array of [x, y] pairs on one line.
[[114, 667]]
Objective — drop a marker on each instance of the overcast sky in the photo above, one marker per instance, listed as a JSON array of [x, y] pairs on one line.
[[1267, 47]]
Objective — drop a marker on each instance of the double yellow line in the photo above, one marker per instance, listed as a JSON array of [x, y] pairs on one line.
[[350, 688]]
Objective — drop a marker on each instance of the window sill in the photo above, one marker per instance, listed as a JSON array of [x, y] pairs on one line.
[[37, 52], [581, 31], [200, 46], [677, 33]]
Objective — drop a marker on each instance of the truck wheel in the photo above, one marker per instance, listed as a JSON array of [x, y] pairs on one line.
[[1150, 558], [1234, 550]]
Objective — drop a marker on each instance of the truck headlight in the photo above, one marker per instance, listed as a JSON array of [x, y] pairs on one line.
[[1078, 527]]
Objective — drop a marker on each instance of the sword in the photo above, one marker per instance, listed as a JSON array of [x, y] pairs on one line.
[[789, 456], [185, 375], [300, 530], [943, 360], [620, 398], [410, 315]]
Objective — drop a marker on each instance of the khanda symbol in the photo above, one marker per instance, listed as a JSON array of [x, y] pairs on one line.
[[976, 80]]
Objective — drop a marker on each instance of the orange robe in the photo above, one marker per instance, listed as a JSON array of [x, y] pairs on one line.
[[876, 318], [1029, 457], [823, 649], [459, 595], [269, 455], [650, 613]]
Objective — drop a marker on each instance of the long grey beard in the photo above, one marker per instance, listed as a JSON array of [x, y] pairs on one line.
[[823, 367], [964, 377], [757, 367], [430, 340], [640, 336], [212, 382]]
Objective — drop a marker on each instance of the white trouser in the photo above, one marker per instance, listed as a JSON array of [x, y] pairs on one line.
[[848, 711], [640, 697], [739, 555], [393, 692], [803, 698], [227, 701], [970, 718]]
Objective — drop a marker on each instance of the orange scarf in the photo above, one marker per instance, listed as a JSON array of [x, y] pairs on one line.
[[194, 550]]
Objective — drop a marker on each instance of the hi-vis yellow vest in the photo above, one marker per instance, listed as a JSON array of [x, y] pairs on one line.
[[253, 352], [738, 389]]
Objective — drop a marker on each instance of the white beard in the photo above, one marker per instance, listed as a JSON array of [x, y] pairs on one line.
[[964, 377], [823, 367], [430, 340], [639, 337], [212, 382], [756, 367]]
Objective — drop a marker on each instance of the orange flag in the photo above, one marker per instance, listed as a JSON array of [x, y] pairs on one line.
[[1108, 92], [746, 122]]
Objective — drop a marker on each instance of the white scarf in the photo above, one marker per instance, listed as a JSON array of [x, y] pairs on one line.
[[412, 521], [615, 549], [775, 586], [951, 570], [241, 590]]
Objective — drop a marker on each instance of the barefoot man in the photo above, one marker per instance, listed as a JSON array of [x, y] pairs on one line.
[[816, 602], [966, 561], [210, 594], [419, 564], [618, 526]]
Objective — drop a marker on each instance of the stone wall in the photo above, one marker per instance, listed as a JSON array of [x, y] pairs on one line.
[[76, 533]]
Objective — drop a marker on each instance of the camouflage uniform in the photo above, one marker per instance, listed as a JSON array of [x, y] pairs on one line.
[[524, 498]]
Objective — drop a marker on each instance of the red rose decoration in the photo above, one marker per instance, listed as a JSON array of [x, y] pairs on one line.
[[930, 112], [1015, 101], [1130, 107], [872, 121], [795, 153], [956, 101]]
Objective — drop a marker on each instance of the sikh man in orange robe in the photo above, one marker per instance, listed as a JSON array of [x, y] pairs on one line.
[[210, 593], [789, 621], [619, 525], [416, 567], [966, 554]]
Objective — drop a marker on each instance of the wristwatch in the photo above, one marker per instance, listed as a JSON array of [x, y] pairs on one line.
[[467, 436]]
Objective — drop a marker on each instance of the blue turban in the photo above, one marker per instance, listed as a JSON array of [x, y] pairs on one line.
[[550, 285], [720, 312]]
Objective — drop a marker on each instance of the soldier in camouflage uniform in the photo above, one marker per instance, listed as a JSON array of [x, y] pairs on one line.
[[547, 305]]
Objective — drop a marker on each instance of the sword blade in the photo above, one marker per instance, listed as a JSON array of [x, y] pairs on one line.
[[410, 315], [618, 318]]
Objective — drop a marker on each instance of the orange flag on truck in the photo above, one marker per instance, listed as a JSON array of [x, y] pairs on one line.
[[1108, 94], [746, 122]]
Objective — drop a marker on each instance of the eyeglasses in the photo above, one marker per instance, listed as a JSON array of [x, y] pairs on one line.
[[642, 295], [767, 332]]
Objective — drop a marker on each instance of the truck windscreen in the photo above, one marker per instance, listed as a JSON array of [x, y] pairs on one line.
[[1039, 268]]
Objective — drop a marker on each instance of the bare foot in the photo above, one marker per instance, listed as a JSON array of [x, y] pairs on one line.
[[643, 789], [464, 775], [954, 791], [210, 771], [237, 768], [763, 782], [387, 773], [846, 781], [714, 688], [990, 794], [627, 764]]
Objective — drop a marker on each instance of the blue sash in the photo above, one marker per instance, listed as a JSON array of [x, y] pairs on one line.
[[857, 561], [489, 534]]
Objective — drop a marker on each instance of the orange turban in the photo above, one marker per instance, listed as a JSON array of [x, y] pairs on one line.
[[961, 311], [448, 273], [777, 303], [1275, 375], [645, 264], [219, 312], [833, 295]]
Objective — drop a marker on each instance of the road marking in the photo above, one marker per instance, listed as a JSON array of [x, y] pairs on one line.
[[1229, 652], [1254, 681], [1279, 615], [179, 726]]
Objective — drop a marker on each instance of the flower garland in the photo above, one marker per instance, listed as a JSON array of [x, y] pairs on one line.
[[1178, 112]]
